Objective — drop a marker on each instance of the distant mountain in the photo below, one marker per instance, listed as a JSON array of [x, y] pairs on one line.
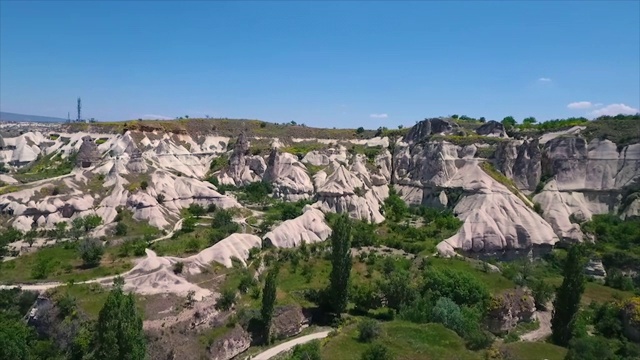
[[5, 116]]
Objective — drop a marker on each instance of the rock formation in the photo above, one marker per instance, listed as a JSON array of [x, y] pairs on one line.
[[492, 128], [288, 176], [509, 309]]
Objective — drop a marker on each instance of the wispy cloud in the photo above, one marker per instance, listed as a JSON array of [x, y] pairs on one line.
[[379, 116], [156, 117], [544, 79], [580, 105], [615, 109]]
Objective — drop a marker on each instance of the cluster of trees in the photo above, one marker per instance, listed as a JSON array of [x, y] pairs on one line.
[[117, 334]]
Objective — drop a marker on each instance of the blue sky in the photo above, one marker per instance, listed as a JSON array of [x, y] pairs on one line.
[[342, 64]]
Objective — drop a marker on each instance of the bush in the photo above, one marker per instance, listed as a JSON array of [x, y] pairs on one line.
[[91, 222], [144, 185], [591, 348], [308, 351], [459, 286], [226, 300], [196, 210], [121, 229], [368, 330], [41, 267], [377, 352], [246, 282], [448, 313], [160, 198], [178, 267], [360, 130], [542, 293], [91, 251]]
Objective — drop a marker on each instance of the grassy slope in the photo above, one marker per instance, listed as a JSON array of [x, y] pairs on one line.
[[535, 351], [407, 341]]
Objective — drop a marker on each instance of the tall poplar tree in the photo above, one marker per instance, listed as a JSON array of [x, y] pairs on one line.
[[568, 295], [269, 300], [340, 264]]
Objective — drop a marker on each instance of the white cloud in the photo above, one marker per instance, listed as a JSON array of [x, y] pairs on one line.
[[156, 117], [580, 105], [597, 104], [614, 109], [544, 79], [379, 116]]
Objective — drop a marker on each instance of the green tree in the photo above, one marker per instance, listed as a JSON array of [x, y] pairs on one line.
[[121, 229], [15, 337], [91, 222], [61, 230], [226, 300], [30, 237], [394, 207], [397, 289], [542, 293], [269, 300], [529, 121], [568, 295], [188, 224], [91, 251], [340, 264], [119, 334], [461, 287], [509, 122], [308, 351]]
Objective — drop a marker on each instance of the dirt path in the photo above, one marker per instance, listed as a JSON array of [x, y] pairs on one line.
[[544, 318], [268, 354]]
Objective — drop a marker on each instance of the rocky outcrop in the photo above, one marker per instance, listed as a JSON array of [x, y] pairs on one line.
[[509, 309], [88, 154], [243, 169], [595, 269], [288, 176], [310, 227], [520, 161], [428, 127], [288, 321], [230, 344], [492, 128]]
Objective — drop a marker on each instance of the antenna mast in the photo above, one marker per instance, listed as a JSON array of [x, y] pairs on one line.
[[79, 109]]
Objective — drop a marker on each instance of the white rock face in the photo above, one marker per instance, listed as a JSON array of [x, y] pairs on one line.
[[233, 246], [288, 176], [310, 227], [494, 219]]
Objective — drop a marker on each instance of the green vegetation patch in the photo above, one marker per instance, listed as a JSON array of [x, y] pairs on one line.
[[533, 351], [46, 167], [406, 341]]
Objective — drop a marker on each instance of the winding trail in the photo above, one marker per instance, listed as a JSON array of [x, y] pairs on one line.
[[268, 354], [544, 318]]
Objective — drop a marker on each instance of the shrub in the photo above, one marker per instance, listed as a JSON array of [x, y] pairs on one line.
[[121, 229], [91, 251], [308, 351], [459, 286], [448, 313], [42, 266], [178, 267], [246, 282], [377, 351], [226, 300], [542, 293], [368, 330], [144, 185], [360, 130], [160, 198]]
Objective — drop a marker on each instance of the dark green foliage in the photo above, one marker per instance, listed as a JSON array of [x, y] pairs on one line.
[[461, 287], [222, 225], [591, 348], [617, 280], [90, 251], [221, 219], [188, 224], [119, 334], [256, 192], [91, 222], [196, 210], [15, 339], [219, 163], [42, 266], [542, 292], [509, 122], [269, 299], [397, 289], [607, 319], [178, 267], [359, 130], [364, 233], [395, 209], [144, 185], [567, 301], [365, 298], [226, 300], [308, 351], [621, 129], [121, 229], [377, 351], [340, 264], [618, 243], [368, 330]]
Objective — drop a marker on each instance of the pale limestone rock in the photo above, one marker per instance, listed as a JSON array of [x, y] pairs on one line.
[[310, 227], [288, 176]]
